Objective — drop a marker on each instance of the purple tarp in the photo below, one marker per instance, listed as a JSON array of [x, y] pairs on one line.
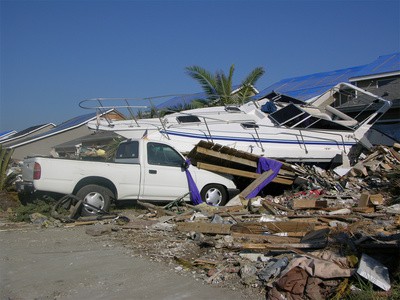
[[264, 164], [194, 191]]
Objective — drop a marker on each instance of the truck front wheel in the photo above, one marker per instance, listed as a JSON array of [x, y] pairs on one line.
[[97, 198], [214, 194]]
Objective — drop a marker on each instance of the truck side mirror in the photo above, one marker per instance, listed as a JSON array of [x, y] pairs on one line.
[[185, 165]]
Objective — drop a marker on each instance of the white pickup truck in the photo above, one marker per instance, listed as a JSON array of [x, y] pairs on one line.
[[142, 170]]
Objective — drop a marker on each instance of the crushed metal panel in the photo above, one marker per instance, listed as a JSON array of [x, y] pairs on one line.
[[374, 271]]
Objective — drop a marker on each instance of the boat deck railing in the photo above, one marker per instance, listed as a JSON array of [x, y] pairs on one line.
[[152, 106]]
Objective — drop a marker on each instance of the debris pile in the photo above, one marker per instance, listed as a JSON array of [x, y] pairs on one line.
[[329, 234], [316, 241]]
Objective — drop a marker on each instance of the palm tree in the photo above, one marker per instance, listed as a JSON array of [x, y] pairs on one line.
[[218, 87]]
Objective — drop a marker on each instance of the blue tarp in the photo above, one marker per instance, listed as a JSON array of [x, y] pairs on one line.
[[383, 64], [309, 86]]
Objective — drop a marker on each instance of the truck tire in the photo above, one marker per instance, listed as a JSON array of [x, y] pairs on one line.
[[96, 196], [25, 198], [214, 194]]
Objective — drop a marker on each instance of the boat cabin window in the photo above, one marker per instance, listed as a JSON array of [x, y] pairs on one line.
[[249, 125], [294, 117], [286, 114], [326, 124], [188, 119], [232, 109], [275, 97]]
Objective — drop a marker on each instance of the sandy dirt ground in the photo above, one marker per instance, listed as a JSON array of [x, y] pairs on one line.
[[67, 263]]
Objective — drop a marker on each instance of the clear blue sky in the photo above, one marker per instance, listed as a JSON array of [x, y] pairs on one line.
[[56, 53]]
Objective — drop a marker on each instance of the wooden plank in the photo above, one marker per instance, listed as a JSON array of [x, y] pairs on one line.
[[289, 226], [395, 154], [241, 173], [287, 173], [160, 211], [252, 186], [226, 170], [278, 179], [309, 203], [254, 246], [269, 238], [364, 200], [273, 227], [366, 209], [226, 150], [207, 262], [269, 207], [276, 205], [80, 223], [228, 157], [307, 220], [204, 227]]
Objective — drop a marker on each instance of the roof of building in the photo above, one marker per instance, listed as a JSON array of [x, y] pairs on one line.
[[65, 126], [6, 134], [27, 131], [309, 86], [383, 65]]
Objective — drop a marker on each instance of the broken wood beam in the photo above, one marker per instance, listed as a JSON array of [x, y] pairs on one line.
[[268, 238], [159, 210], [240, 173], [276, 205], [284, 227], [265, 246], [309, 203], [256, 183], [227, 157], [226, 170], [210, 228]]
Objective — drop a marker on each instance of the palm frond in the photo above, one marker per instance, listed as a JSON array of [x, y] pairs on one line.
[[218, 87], [247, 89], [253, 76], [205, 78]]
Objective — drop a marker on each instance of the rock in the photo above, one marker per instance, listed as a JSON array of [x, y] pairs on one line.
[[343, 211], [217, 219], [163, 226], [97, 230], [254, 257], [39, 219], [228, 239], [247, 271], [337, 223]]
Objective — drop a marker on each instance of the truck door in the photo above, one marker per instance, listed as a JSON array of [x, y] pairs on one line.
[[164, 176]]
